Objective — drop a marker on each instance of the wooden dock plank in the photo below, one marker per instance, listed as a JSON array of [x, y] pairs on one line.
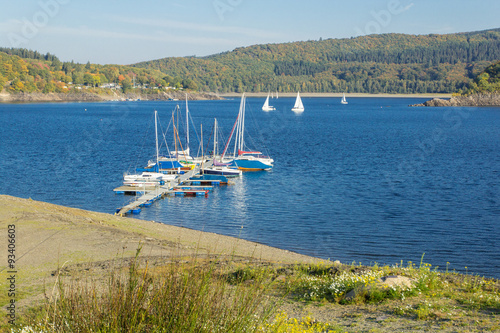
[[160, 191]]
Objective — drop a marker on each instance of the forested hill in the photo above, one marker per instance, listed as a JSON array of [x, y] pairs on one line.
[[387, 63], [487, 82], [27, 71]]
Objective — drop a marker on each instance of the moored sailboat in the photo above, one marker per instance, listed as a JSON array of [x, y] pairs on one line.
[[152, 175], [244, 159], [215, 166]]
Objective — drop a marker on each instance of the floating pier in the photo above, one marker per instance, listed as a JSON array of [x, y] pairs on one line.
[[196, 187]]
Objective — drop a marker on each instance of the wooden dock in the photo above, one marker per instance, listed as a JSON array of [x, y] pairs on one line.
[[152, 193], [133, 189]]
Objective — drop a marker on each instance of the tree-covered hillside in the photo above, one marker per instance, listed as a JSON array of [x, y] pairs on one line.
[[23, 70], [488, 81], [387, 63]]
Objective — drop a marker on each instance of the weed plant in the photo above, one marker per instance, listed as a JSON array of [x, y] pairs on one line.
[[200, 296], [182, 297], [319, 283]]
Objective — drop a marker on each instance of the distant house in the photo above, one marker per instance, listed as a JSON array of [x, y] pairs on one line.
[[110, 86]]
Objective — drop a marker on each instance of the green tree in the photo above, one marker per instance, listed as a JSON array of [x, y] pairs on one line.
[[189, 84], [88, 79], [16, 85], [2, 82], [483, 81], [77, 78], [126, 85], [49, 87]]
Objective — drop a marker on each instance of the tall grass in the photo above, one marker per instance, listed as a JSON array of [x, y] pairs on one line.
[[200, 295], [181, 297]]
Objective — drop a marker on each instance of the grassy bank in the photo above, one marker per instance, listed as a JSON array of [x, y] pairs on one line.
[[81, 271], [196, 294]]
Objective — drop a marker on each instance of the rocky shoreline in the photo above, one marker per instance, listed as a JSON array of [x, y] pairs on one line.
[[94, 97], [471, 100]]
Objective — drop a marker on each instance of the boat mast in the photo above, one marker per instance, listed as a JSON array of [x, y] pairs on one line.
[[242, 123], [202, 153], [215, 138], [175, 136], [156, 136], [187, 126], [230, 137], [241, 127]]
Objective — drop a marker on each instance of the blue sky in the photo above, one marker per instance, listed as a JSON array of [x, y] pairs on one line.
[[125, 32]]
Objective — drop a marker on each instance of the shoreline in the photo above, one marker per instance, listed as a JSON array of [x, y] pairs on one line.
[[85, 96], [7, 98], [339, 95], [61, 246], [51, 239], [69, 230], [474, 100]]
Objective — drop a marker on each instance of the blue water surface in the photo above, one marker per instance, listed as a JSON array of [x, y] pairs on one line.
[[371, 181]]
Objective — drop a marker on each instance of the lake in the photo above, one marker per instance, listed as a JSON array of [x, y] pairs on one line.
[[374, 181]]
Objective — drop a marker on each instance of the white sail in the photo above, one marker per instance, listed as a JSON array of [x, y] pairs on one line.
[[298, 107], [266, 106], [343, 101]]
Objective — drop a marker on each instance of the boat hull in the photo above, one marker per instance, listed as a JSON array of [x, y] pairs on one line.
[[252, 165], [222, 172]]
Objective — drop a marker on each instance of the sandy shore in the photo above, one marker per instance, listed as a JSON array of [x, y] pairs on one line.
[[339, 95], [49, 236], [85, 96], [88, 97], [87, 245]]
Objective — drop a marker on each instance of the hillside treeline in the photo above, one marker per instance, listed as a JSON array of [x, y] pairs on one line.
[[23, 70], [387, 63]]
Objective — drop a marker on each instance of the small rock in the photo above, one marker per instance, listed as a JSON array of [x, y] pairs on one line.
[[396, 280], [384, 282]]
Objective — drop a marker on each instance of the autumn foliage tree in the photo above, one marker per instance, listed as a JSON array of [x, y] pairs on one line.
[[386, 63]]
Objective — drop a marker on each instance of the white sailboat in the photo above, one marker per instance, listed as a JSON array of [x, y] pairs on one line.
[[183, 154], [343, 101], [148, 178], [298, 106], [244, 159], [218, 167], [266, 106]]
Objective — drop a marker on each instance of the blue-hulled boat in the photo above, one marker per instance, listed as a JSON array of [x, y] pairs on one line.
[[243, 159]]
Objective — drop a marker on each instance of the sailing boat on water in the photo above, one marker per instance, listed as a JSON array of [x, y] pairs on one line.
[[152, 175], [243, 159], [266, 106], [343, 101], [217, 167], [183, 154], [298, 107]]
